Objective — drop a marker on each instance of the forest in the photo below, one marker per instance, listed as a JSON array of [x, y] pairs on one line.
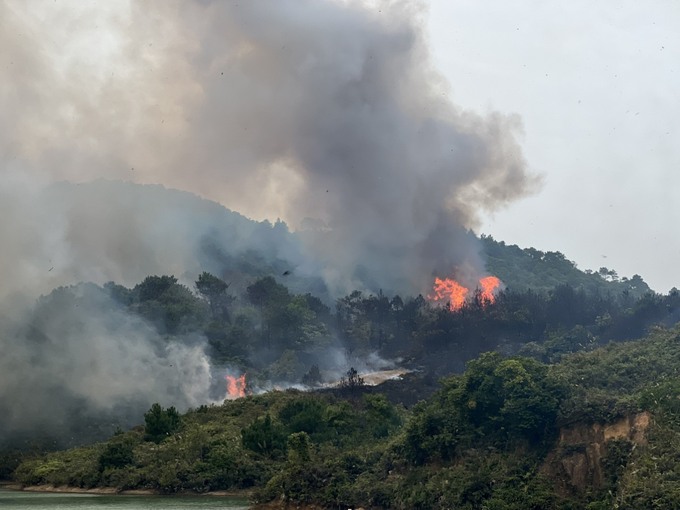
[[477, 420]]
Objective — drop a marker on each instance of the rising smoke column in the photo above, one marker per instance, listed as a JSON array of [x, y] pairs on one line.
[[317, 109], [337, 105]]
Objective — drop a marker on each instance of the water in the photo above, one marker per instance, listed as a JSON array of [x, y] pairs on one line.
[[17, 500]]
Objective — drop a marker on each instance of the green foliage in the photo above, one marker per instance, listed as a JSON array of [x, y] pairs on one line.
[[647, 477], [266, 437], [292, 323], [616, 460], [266, 292], [77, 468], [299, 446], [435, 431], [381, 418], [304, 415], [119, 293], [154, 287], [160, 423], [663, 399], [171, 307], [367, 322], [116, 454], [214, 290], [342, 420], [522, 269], [304, 484], [560, 343], [496, 402], [620, 378], [512, 396], [231, 342], [478, 443]]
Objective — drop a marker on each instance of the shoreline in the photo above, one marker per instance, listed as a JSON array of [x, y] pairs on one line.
[[113, 491]]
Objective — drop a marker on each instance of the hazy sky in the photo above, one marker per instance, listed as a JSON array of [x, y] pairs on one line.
[[597, 87]]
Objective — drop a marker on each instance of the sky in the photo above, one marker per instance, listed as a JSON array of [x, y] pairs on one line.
[[596, 86], [555, 126]]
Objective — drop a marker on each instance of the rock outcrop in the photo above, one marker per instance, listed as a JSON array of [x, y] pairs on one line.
[[577, 462]]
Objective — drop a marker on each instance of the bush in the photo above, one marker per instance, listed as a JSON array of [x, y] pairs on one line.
[[266, 437], [116, 454], [304, 415]]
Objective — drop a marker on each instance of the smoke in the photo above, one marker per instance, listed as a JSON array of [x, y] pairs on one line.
[[78, 354], [325, 113]]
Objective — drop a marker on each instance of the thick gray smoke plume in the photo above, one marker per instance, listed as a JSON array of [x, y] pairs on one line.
[[325, 113]]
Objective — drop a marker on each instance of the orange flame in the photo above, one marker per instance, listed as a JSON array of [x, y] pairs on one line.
[[236, 386], [488, 287], [449, 290]]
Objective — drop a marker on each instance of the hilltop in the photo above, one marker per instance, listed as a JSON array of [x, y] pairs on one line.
[[529, 269]]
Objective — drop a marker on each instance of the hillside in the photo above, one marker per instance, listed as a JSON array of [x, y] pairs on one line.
[[531, 269], [150, 229], [106, 353], [239, 307], [154, 230], [508, 433]]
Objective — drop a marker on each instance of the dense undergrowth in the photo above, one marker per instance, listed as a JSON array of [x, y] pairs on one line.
[[480, 442]]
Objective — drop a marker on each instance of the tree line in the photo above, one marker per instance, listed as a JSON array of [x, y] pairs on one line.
[[278, 335]]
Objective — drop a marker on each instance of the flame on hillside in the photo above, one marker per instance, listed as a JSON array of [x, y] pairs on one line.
[[236, 386], [448, 290], [488, 287]]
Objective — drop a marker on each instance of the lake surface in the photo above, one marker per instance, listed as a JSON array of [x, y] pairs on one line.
[[17, 500]]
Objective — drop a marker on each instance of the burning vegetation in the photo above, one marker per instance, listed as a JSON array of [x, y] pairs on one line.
[[450, 291], [236, 386]]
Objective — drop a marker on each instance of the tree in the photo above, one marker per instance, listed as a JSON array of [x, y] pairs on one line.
[[352, 380], [266, 291], [304, 415], [510, 397], [289, 321], [265, 436], [160, 423], [170, 306], [313, 377], [381, 418], [153, 287], [214, 290]]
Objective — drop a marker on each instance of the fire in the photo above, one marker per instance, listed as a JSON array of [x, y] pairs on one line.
[[236, 386], [449, 290], [488, 287]]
